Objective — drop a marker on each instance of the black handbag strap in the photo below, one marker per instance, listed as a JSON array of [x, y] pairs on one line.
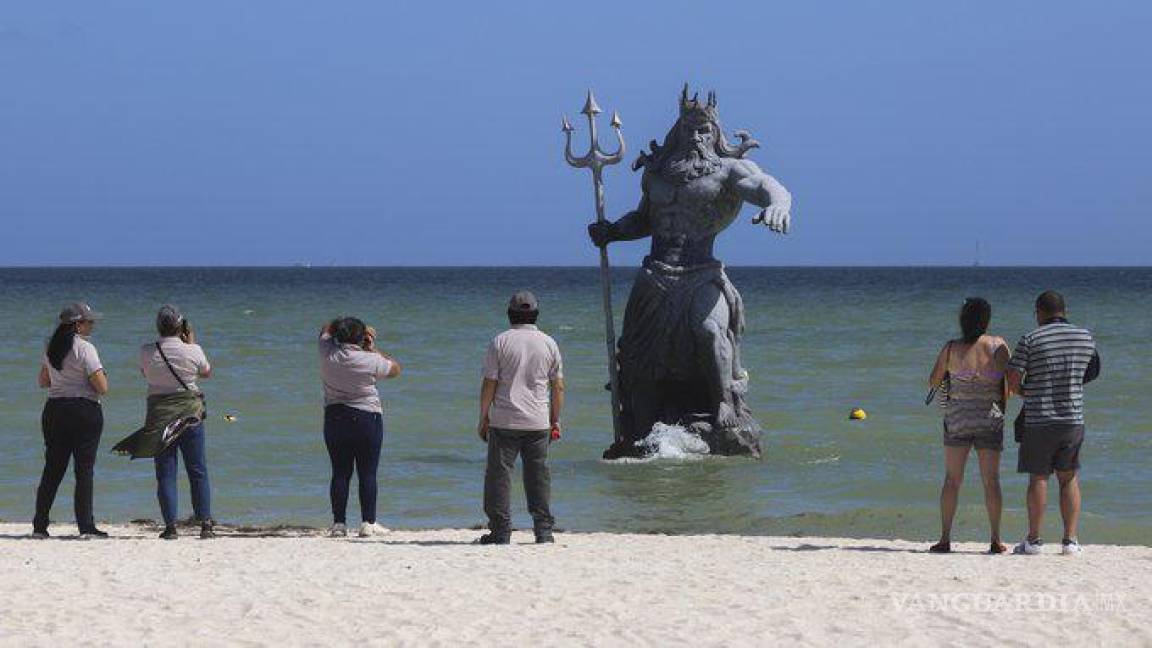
[[171, 368], [946, 382], [942, 388]]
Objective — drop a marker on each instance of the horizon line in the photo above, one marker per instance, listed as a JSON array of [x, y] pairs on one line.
[[301, 266]]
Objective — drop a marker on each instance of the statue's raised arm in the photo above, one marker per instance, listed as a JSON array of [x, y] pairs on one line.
[[762, 190]]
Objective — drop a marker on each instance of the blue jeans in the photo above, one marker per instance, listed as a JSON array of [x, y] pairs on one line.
[[191, 445], [353, 437]]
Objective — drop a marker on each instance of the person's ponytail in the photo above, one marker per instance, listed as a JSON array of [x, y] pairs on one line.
[[61, 344]]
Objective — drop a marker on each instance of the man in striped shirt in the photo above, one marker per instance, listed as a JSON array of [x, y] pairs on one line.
[[1049, 369]]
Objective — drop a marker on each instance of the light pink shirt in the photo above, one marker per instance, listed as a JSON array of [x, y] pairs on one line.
[[350, 374], [71, 380], [522, 361], [188, 360]]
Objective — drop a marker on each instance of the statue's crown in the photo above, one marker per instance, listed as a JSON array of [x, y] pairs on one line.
[[696, 110]]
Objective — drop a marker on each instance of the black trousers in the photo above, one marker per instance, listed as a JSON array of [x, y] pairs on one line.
[[72, 428], [503, 446]]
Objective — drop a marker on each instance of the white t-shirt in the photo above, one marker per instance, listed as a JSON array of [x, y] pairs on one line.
[[350, 374], [71, 380], [188, 360], [522, 361]]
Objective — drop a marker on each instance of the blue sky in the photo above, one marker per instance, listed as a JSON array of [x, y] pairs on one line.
[[248, 133]]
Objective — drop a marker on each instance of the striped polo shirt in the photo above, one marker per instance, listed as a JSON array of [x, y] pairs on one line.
[[1053, 359]]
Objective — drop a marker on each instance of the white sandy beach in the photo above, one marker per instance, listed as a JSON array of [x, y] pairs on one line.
[[435, 588]]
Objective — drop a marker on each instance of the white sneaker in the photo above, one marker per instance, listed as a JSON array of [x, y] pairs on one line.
[[337, 530], [1026, 548], [1071, 548], [372, 529]]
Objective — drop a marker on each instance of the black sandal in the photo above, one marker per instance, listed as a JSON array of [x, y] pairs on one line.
[[941, 547]]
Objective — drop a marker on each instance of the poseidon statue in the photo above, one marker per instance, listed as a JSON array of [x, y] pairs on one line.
[[679, 353]]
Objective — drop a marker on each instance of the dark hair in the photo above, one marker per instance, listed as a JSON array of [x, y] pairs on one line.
[[1050, 302], [522, 316], [61, 344], [974, 318], [348, 330], [168, 329]]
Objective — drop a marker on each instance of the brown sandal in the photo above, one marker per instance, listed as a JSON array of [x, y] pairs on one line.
[[997, 548]]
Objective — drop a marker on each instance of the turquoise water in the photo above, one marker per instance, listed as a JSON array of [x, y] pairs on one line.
[[819, 342]]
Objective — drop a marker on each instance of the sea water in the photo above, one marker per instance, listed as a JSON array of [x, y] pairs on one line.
[[819, 342]]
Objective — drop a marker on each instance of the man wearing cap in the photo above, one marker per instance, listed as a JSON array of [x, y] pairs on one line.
[[520, 402]]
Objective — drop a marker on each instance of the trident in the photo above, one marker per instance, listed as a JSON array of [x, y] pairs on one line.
[[596, 160]]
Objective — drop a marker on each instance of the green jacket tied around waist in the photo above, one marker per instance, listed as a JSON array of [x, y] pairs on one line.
[[169, 415]]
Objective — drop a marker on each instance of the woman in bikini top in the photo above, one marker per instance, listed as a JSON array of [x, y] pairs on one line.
[[970, 372]]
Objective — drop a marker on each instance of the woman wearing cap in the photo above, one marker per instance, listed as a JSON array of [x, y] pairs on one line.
[[172, 365], [72, 420], [350, 366]]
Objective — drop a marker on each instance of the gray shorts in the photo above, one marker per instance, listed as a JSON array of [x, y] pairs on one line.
[[1048, 448], [990, 439]]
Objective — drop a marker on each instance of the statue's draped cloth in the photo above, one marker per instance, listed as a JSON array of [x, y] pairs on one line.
[[658, 345]]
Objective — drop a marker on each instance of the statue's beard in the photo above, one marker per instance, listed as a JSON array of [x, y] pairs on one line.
[[694, 161]]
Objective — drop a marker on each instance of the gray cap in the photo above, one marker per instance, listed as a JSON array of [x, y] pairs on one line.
[[78, 312], [168, 318], [523, 301]]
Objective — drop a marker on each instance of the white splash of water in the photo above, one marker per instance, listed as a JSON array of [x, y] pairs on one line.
[[672, 442]]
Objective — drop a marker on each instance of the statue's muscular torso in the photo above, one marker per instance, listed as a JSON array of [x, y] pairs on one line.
[[684, 219]]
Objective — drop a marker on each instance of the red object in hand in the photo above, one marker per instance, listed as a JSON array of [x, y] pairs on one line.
[[555, 434]]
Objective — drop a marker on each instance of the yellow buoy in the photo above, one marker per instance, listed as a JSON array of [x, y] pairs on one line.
[[229, 418], [857, 414]]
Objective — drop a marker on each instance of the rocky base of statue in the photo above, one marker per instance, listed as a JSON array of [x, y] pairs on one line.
[[742, 440]]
